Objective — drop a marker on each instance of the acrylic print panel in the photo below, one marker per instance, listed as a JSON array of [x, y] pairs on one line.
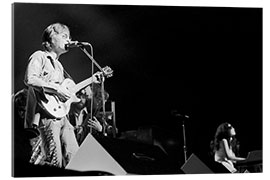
[[173, 66]]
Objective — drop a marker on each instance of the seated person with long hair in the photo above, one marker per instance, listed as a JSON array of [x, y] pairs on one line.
[[224, 146]]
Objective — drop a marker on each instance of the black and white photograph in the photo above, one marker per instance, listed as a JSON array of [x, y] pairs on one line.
[[121, 89]]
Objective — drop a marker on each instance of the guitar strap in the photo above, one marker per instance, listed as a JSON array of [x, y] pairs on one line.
[[66, 75]]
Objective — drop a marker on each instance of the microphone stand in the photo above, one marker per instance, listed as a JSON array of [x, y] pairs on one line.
[[104, 123], [91, 57], [183, 117], [184, 140], [102, 87]]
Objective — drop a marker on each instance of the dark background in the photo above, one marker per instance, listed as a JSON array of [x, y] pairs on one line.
[[204, 62]]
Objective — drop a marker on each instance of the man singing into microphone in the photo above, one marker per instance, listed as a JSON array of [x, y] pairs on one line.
[[45, 71]]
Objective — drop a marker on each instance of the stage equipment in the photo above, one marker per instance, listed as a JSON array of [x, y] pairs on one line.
[[195, 166], [120, 157]]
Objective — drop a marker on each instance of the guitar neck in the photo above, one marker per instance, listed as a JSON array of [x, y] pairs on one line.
[[106, 72], [82, 84]]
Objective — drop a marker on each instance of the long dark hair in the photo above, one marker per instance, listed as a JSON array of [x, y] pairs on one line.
[[223, 132]]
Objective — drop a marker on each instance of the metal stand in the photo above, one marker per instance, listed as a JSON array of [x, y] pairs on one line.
[[184, 142], [102, 87], [182, 118], [104, 123]]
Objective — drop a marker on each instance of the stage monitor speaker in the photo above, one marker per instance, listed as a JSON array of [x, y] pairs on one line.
[[120, 157], [195, 166], [91, 156], [140, 158]]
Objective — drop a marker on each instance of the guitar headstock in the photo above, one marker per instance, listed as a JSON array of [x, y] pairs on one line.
[[107, 71]]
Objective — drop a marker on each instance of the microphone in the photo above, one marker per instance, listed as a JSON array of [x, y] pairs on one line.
[[74, 44], [175, 113]]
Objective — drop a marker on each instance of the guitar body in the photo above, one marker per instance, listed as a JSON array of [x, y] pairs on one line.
[[57, 108]]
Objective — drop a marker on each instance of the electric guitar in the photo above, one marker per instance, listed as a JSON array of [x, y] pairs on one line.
[[56, 105]]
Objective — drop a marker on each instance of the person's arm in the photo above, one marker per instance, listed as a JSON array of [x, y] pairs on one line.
[[229, 153]]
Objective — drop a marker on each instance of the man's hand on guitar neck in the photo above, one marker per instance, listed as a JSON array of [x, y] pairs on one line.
[[98, 77]]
